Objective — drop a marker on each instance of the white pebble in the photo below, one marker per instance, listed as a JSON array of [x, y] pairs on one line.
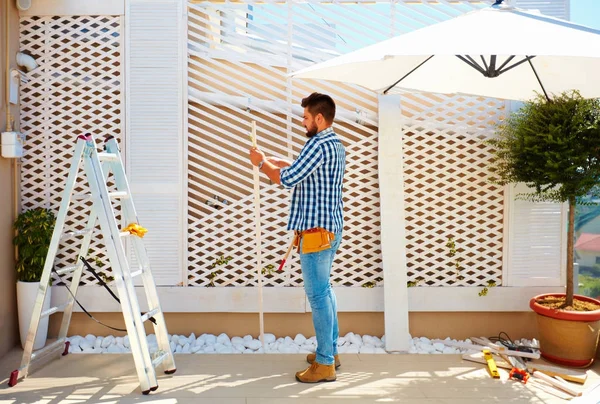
[[300, 339], [85, 344], [269, 338], [175, 339], [450, 350], [237, 341], [126, 342], [254, 344], [114, 349], [209, 349], [356, 340], [223, 339], [439, 346], [366, 349], [210, 339], [248, 338], [108, 341], [353, 348]]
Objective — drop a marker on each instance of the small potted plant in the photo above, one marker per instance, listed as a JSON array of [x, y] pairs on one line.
[[34, 232], [553, 146]]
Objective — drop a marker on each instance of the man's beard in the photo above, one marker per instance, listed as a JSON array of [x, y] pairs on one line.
[[311, 132]]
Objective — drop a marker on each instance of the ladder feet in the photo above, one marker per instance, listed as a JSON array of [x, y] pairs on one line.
[[14, 376], [170, 371], [145, 392], [66, 351], [154, 388]]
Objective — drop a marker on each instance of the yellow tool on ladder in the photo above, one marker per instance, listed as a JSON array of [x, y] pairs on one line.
[[491, 363]]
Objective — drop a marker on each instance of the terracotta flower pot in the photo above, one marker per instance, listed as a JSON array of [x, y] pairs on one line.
[[568, 338]]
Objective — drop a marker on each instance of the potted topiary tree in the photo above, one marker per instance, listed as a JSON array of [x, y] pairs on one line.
[[34, 232], [553, 146]]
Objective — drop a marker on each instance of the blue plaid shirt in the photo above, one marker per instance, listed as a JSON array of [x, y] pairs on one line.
[[316, 177]]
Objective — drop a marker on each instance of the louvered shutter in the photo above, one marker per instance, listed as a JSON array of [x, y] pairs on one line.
[[552, 8], [536, 254], [155, 103]]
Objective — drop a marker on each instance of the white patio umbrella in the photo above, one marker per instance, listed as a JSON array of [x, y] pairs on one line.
[[499, 51]]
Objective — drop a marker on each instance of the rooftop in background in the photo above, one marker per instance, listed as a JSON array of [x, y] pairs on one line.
[[588, 242]]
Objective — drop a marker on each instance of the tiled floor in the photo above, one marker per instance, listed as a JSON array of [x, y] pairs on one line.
[[269, 379]]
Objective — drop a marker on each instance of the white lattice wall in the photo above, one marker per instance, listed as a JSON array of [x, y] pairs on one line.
[[240, 56], [448, 195], [76, 89]]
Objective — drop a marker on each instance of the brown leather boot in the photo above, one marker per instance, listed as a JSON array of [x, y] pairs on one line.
[[310, 358], [317, 373]]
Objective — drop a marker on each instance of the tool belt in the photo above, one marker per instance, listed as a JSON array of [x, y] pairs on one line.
[[313, 240]]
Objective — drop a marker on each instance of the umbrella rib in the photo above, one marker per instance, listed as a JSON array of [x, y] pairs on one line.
[[515, 65], [505, 63], [472, 63], [407, 74], [484, 62], [538, 78]]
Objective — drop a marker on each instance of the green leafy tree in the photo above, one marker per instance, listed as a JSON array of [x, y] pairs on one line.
[[553, 147], [34, 232]]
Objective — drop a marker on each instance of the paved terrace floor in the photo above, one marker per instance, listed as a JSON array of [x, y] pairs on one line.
[[269, 379]]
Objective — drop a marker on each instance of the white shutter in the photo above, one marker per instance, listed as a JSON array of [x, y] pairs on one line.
[[154, 128], [535, 251], [552, 8]]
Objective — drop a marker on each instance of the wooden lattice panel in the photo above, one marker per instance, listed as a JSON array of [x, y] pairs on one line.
[[76, 89], [448, 195], [240, 58]]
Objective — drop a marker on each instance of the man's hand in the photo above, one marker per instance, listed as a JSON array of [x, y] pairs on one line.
[[256, 156], [279, 163]]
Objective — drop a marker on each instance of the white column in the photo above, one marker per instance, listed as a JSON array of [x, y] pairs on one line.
[[393, 247]]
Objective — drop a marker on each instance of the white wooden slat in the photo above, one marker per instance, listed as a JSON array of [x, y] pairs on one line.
[[552, 8], [155, 103], [536, 255]]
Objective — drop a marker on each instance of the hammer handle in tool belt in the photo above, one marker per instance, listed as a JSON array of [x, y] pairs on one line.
[[287, 254]]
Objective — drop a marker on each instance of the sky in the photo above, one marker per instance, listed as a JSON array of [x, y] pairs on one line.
[[586, 12]]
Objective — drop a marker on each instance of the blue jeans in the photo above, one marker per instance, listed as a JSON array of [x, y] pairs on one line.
[[316, 270]]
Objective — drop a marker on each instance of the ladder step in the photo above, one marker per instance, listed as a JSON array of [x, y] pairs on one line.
[[137, 273], [112, 195], [49, 348], [81, 197], [108, 156], [151, 313], [160, 357], [67, 270], [118, 195], [76, 233], [53, 310]]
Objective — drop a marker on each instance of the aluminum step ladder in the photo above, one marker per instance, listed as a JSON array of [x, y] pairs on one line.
[[97, 167]]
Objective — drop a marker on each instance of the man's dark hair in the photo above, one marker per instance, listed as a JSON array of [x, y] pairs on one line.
[[320, 104]]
